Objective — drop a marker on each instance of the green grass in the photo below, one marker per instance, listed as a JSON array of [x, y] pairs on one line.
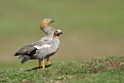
[[92, 29], [108, 70]]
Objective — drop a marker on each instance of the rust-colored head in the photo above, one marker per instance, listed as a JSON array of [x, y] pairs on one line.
[[45, 23]]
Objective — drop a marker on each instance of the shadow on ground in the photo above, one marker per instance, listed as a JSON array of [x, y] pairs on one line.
[[36, 68]]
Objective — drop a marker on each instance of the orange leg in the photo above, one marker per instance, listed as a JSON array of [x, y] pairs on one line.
[[48, 61], [39, 64], [43, 65]]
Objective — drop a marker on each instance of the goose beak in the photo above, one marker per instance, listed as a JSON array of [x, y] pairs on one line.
[[51, 21], [61, 32]]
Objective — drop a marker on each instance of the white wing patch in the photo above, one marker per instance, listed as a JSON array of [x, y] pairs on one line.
[[44, 46]]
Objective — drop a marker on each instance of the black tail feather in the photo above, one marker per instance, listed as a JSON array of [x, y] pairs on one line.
[[16, 54]]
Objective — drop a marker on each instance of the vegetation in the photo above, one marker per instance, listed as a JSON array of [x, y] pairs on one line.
[[108, 70], [92, 29]]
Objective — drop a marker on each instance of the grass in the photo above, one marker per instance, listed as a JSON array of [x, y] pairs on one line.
[[108, 70], [92, 29]]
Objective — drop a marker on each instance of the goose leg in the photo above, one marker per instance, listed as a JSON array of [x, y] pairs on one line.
[[39, 64], [42, 64], [48, 61]]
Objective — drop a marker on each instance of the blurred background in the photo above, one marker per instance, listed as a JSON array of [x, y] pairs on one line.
[[92, 28]]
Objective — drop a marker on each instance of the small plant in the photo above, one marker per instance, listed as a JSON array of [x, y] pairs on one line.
[[108, 70]]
